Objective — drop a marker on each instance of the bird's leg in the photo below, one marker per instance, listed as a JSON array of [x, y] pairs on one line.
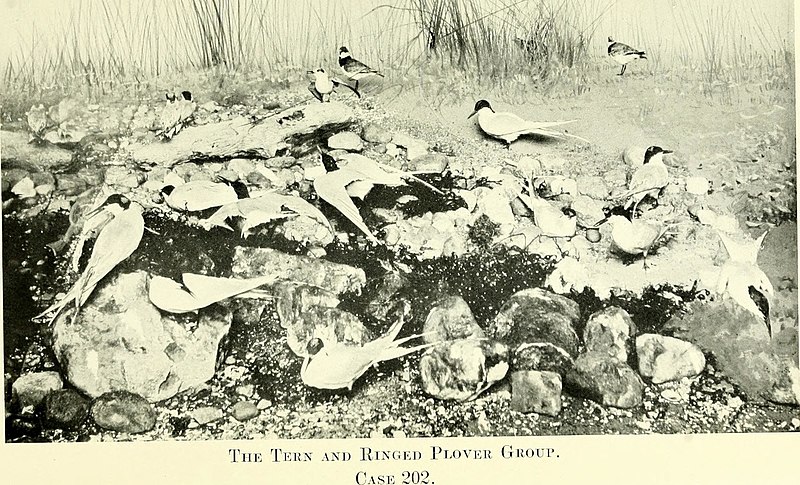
[[356, 88]]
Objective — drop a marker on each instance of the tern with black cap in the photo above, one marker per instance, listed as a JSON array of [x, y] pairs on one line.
[[508, 126]]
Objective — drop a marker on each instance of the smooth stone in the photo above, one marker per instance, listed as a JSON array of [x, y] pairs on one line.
[[346, 140], [65, 409], [451, 319], [244, 410], [429, 162], [665, 359], [461, 370], [242, 166], [207, 414], [124, 412], [610, 331], [588, 210], [606, 380], [536, 391], [374, 133], [30, 389]]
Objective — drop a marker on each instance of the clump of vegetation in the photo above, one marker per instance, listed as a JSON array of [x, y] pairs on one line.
[[483, 232]]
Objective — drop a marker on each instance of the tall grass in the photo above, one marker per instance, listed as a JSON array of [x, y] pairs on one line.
[[106, 45]]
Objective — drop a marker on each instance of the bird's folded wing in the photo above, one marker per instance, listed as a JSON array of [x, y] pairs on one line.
[[331, 188], [619, 49], [118, 240]]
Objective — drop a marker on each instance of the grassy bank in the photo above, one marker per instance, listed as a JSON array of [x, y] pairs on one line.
[[513, 45]]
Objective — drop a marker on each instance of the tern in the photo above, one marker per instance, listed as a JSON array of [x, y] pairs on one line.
[[176, 113], [649, 179], [353, 68], [744, 282], [200, 195], [117, 240], [324, 85], [508, 126], [636, 237], [623, 54]]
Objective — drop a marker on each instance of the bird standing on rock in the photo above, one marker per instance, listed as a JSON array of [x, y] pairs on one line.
[[353, 68], [118, 239], [623, 54], [508, 126]]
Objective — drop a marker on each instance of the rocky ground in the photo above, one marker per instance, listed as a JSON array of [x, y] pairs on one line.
[[457, 265]]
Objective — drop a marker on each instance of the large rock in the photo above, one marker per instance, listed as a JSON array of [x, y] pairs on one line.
[[249, 262], [537, 315], [120, 341], [381, 294], [331, 325], [16, 147], [606, 380], [124, 412], [30, 389], [736, 339], [461, 370], [610, 331], [542, 356], [664, 359], [242, 137], [294, 299], [451, 319], [535, 391]]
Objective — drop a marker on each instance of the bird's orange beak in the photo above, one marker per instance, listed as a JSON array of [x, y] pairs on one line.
[[473, 114]]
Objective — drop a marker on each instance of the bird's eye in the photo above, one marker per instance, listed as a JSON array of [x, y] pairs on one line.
[[314, 346]]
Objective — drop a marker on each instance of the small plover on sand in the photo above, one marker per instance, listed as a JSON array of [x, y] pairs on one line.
[[353, 68], [623, 54]]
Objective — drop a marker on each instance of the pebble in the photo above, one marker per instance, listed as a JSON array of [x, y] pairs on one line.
[[697, 185], [65, 409], [241, 166], [24, 188], [346, 140], [206, 414], [244, 410], [124, 412], [245, 390], [263, 404], [374, 133], [30, 389]]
